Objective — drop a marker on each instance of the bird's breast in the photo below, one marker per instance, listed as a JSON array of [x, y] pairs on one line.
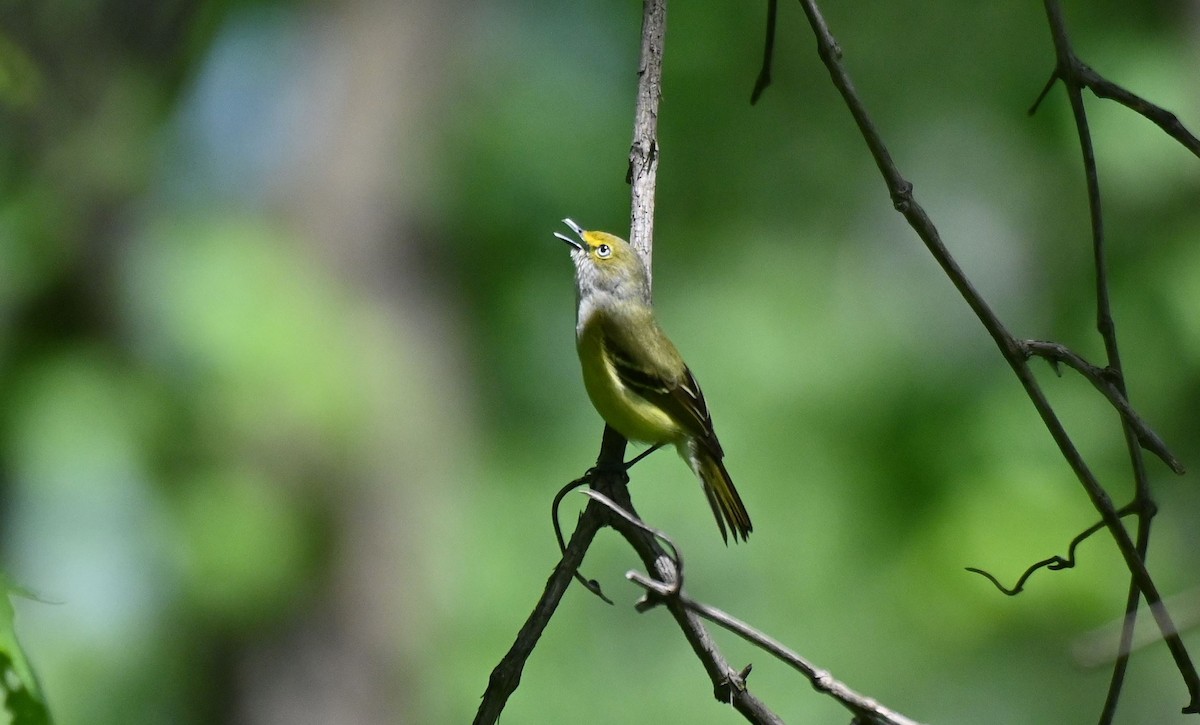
[[630, 414]]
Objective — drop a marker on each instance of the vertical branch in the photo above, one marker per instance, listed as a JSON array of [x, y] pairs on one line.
[[643, 174], [728, 684], [608, 477], [1067, 69], [643, 152]]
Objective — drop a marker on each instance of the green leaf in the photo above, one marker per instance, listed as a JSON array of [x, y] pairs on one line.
[[23, 700]]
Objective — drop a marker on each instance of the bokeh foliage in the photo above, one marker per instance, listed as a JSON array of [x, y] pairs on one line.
[[287, 378]]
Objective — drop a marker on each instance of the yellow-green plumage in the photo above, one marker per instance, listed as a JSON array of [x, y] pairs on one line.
[[630, 413], [633, 374]]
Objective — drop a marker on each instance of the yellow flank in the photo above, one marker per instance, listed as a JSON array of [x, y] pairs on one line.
[[629, 413]]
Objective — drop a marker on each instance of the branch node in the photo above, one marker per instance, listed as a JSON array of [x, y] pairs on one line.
[[733, 683], [669, 566], [1110, 383], [902, 196], [822, 681], [744, 673]]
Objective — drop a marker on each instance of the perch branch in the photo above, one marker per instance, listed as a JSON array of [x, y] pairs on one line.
[[668, 590], [608, 477], [729, 685], [865, 709]]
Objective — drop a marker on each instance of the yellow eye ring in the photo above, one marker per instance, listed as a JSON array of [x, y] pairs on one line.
[[603, 251]]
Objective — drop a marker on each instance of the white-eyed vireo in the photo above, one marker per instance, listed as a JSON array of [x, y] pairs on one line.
[[635, 376]]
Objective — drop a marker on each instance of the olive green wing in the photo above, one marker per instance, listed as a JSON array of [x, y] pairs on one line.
[[657, 373], [653, 369]]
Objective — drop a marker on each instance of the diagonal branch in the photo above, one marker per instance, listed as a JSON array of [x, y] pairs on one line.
[[865, 709], [1075, 76], [608, 477], [729, 685], [900, 191], [1160, 117], [1103, 380], [668, 590], [507, 674]]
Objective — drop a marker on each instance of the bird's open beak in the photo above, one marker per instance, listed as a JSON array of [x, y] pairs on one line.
[[575, 228]]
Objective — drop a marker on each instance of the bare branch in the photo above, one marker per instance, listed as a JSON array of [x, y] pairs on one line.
[[591, 585], [668, 590], [764, 74], [676, 559], [1075, 75], [1102, 380], [643, 151], [1160, 117], [507, 674], [822, 680], [729, 685], [900, 191]]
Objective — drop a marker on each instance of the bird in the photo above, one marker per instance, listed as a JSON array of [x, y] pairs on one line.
[[635, 376]]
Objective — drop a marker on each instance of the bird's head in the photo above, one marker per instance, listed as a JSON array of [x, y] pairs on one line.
[[605, 262]]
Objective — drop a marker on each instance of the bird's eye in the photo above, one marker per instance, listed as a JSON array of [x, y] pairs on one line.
[[603, 251]]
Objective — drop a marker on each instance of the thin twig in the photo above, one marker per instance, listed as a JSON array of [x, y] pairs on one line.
[[729, 685], [1103, 380], [1045, 92], [1160, 117], [764, 74], [675, 557], [822, 680], [1054, 563], [1075, 75], [591, 585], [900, 191]]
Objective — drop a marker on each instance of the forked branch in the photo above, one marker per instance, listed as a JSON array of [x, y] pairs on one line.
[[666, 589], [1013, 351]]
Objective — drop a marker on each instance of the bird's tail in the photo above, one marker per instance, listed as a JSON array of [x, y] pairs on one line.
[[726, 504]]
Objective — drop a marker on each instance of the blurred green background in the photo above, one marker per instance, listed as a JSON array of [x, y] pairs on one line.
[[287, 377]]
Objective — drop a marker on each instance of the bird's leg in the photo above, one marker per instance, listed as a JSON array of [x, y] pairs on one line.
[[643, 454]]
